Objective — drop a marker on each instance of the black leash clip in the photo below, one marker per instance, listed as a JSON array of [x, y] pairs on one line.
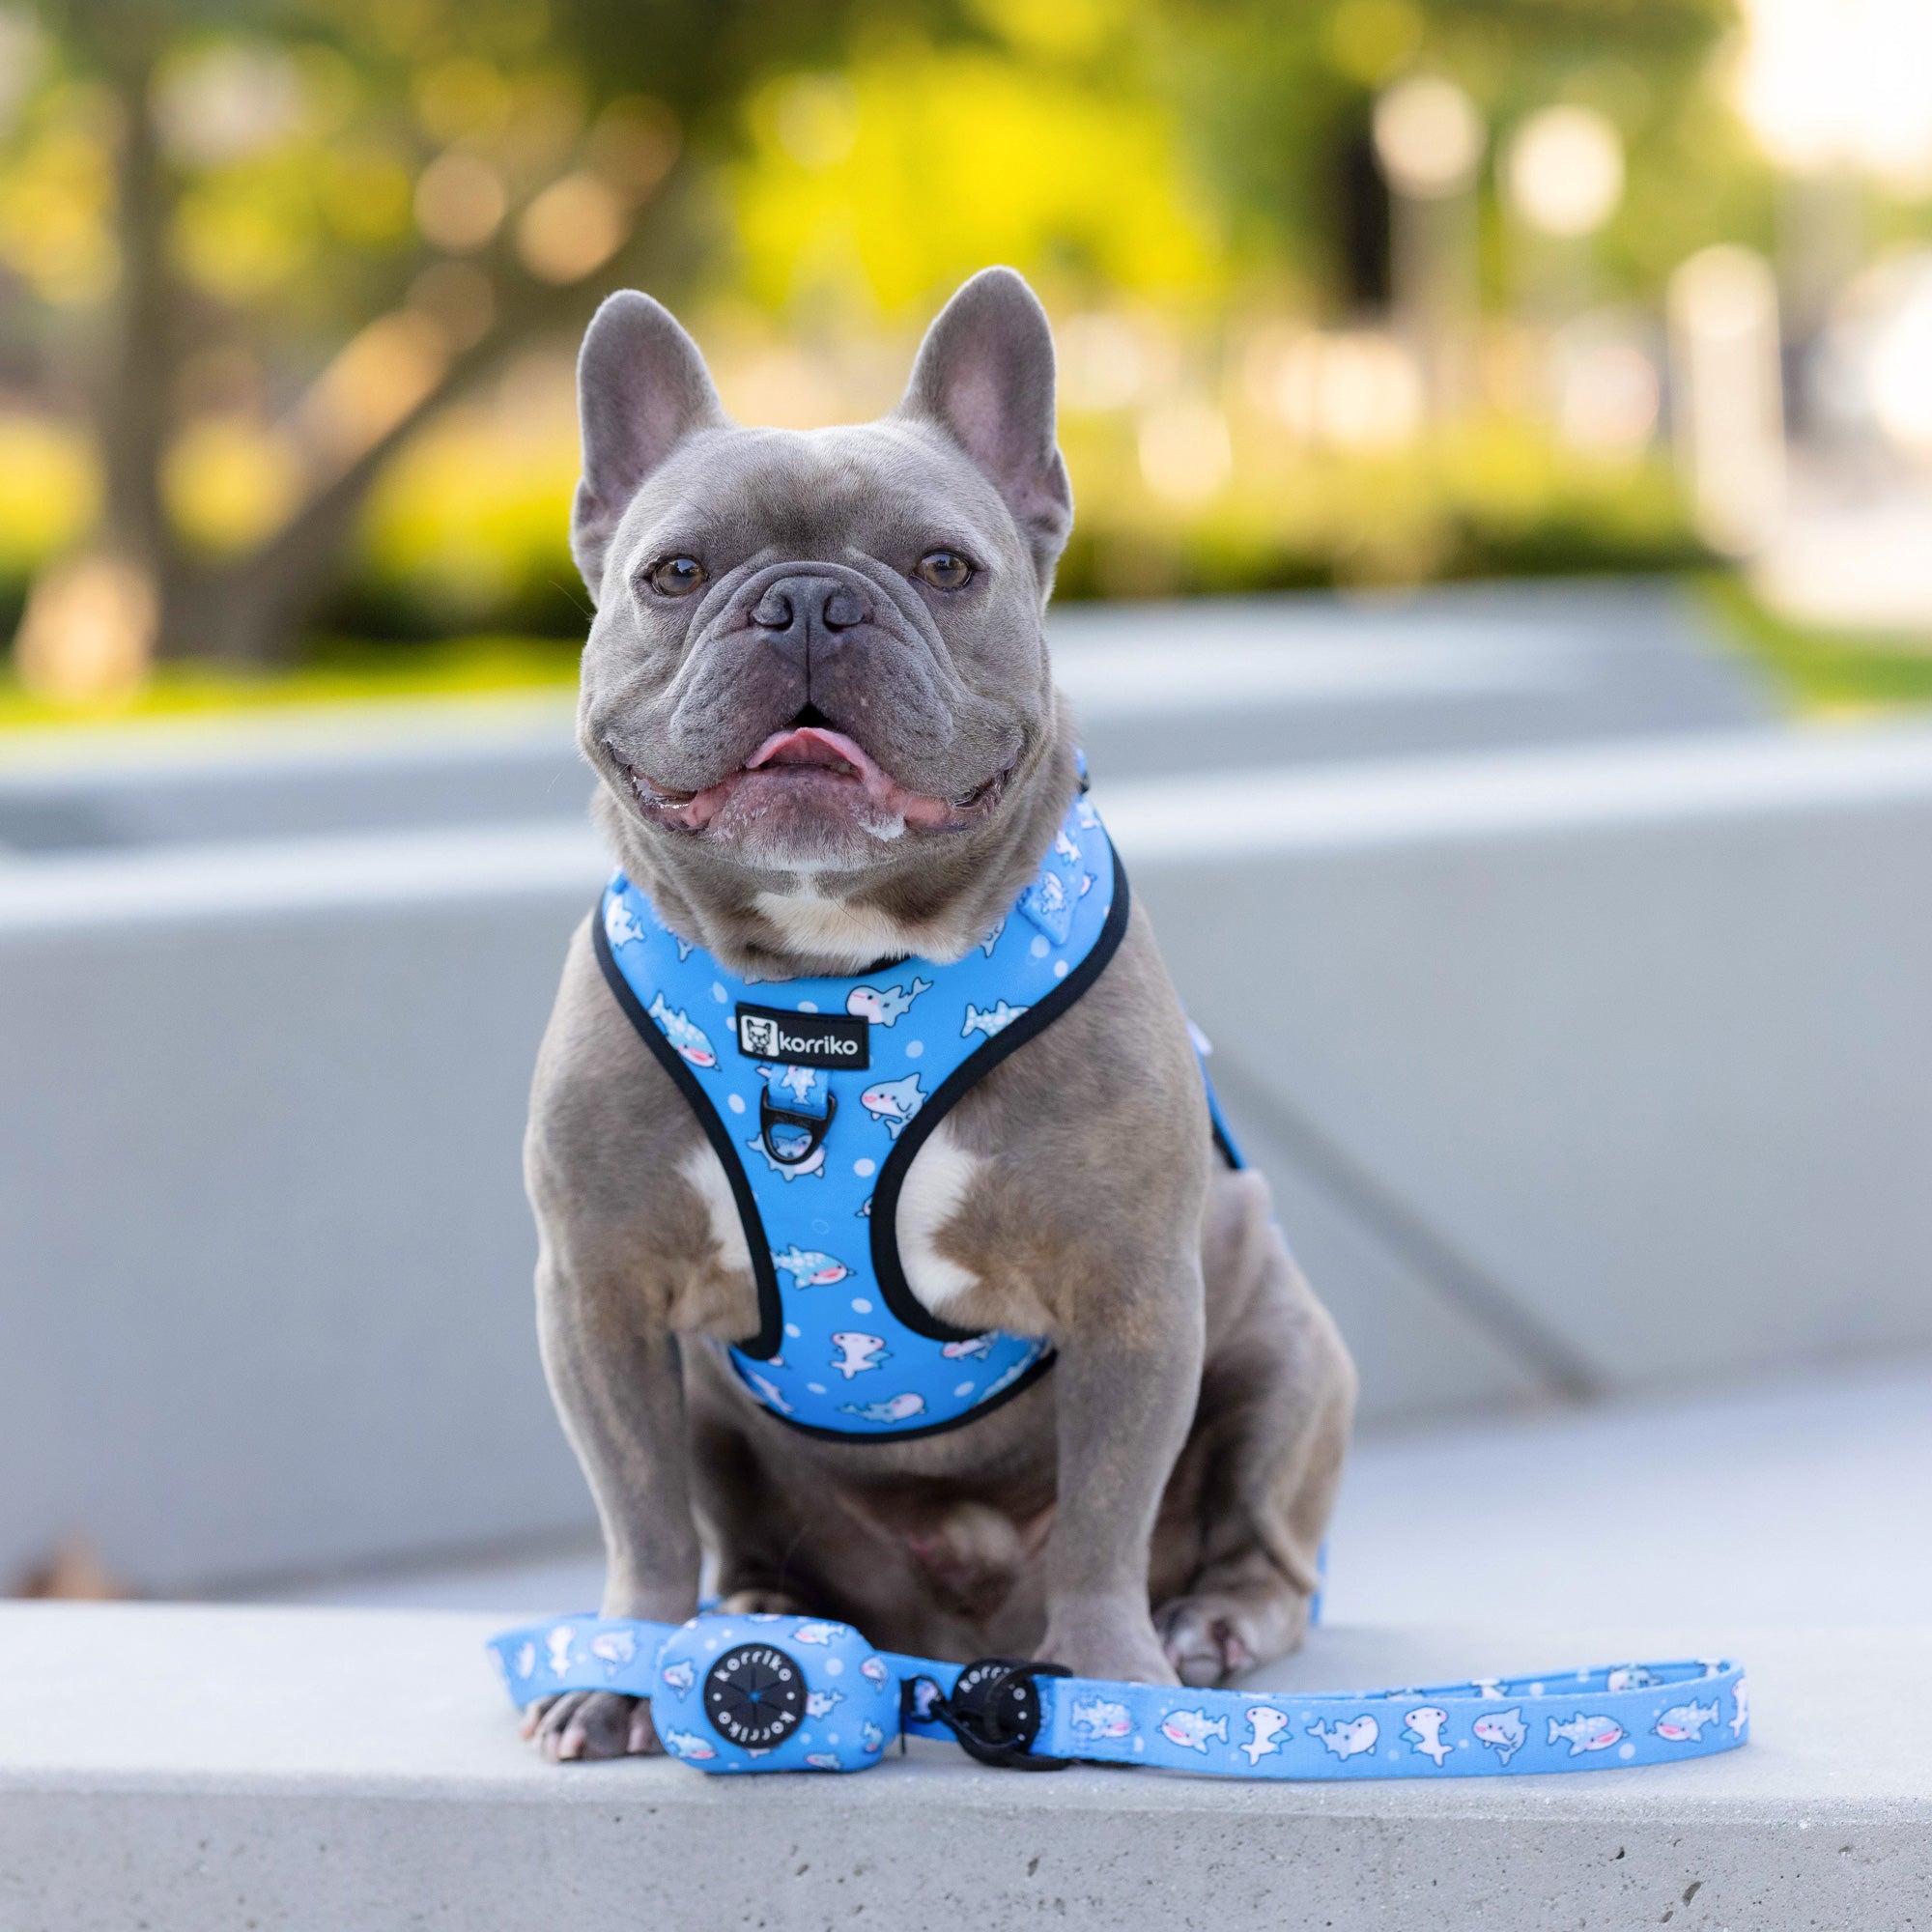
[[994, 1713], [787, 1148]]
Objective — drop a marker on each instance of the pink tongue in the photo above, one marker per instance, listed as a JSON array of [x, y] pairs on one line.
[[812, 744]]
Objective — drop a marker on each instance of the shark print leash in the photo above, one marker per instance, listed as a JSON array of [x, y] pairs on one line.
[[750, 1693]]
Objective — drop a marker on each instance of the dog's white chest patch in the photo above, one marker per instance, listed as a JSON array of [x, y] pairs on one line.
[[829, 930], [935, 1184], [705, 1173]]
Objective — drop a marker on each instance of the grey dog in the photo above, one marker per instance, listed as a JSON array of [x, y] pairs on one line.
[[1152, 1508]]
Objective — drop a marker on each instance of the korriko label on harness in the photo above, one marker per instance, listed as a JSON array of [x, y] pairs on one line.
[[803, 1039]]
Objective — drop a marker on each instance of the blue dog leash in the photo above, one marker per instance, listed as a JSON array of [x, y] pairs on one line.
[[750, 1693]]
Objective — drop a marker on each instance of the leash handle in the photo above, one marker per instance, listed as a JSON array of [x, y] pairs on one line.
[[747, 1693]]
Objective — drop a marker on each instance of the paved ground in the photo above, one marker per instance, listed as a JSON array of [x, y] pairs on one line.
[[1797, 1505], [233, 1769]]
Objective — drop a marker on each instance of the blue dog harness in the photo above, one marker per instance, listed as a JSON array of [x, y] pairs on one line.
[[816, 1095], [745, 1693]]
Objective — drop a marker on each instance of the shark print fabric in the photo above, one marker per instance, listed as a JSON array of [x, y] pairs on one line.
[[855, 1698], [1567, 1721], [820, 1091]]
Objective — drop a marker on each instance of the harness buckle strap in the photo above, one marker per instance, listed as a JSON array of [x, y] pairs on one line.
[[995, 1712], [815, 1127]]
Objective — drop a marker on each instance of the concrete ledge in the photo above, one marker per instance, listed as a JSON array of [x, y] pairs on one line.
[[231, 1770]]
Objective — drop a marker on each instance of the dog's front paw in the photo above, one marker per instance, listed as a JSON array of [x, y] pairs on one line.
[[1207, 1638], [590, 1725]]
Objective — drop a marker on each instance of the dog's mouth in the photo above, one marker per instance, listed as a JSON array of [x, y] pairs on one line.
[[810, 768]]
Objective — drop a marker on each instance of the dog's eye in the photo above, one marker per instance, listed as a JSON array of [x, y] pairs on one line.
[[676, 575], [945, 569]]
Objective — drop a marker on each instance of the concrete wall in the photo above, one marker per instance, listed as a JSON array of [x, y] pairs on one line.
[[1606, 1067], [1615, 1067], [268, 1288], [1211, 684]]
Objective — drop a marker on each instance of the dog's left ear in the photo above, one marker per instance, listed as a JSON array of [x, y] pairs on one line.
[[985, 375], [641, 387]]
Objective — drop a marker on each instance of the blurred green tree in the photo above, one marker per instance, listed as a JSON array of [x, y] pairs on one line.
[[267, 242]]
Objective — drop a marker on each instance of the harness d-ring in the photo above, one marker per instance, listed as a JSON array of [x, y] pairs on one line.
[[815, 1127]]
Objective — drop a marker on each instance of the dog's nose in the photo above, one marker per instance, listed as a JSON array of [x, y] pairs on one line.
[[807, 613], [843, 610]]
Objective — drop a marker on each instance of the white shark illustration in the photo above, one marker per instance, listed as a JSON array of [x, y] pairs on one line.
[[1012, 1373], [614, 1648], [687, 1745], [1684, 1723], [1502, 1731], [884, 1005], [1191, 1729], [870, 1737], [823, 1760], [1424, 1725], [1063, 847], [680, 1676], [810, 1267], [691, 1043], [558, 1643], [893, 1101], [1586, 1733], [1631, 1677], [1741, 1697], [1264, 1723], [1048, 905], [992, 1020], [1349, 1740], [992, 939], [770, 1391], [859, 1353], [974, 1348], [895, 1409], [818, 1633], [1096, 1718], [620, 925], [804, 1084], [873, 1670], [820, 1703], [812, 1163]]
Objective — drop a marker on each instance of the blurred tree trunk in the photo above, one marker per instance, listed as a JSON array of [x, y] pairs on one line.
[[136, 585], [134, 402], [250, 607]]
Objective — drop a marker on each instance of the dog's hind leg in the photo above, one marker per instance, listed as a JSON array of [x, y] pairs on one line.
[[1243, 1519]]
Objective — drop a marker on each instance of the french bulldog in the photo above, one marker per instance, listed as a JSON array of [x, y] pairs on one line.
[[817, 696]]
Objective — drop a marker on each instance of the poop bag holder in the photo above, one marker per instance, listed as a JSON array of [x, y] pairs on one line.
[[745, 1693]]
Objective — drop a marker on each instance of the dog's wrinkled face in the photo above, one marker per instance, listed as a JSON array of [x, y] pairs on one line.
[[813, 650]]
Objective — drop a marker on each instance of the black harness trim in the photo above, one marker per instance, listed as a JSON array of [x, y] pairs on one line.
[[1037, 1019], [765, 1343]]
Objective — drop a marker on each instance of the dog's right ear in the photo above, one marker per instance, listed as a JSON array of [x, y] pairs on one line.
[[641, 387]]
